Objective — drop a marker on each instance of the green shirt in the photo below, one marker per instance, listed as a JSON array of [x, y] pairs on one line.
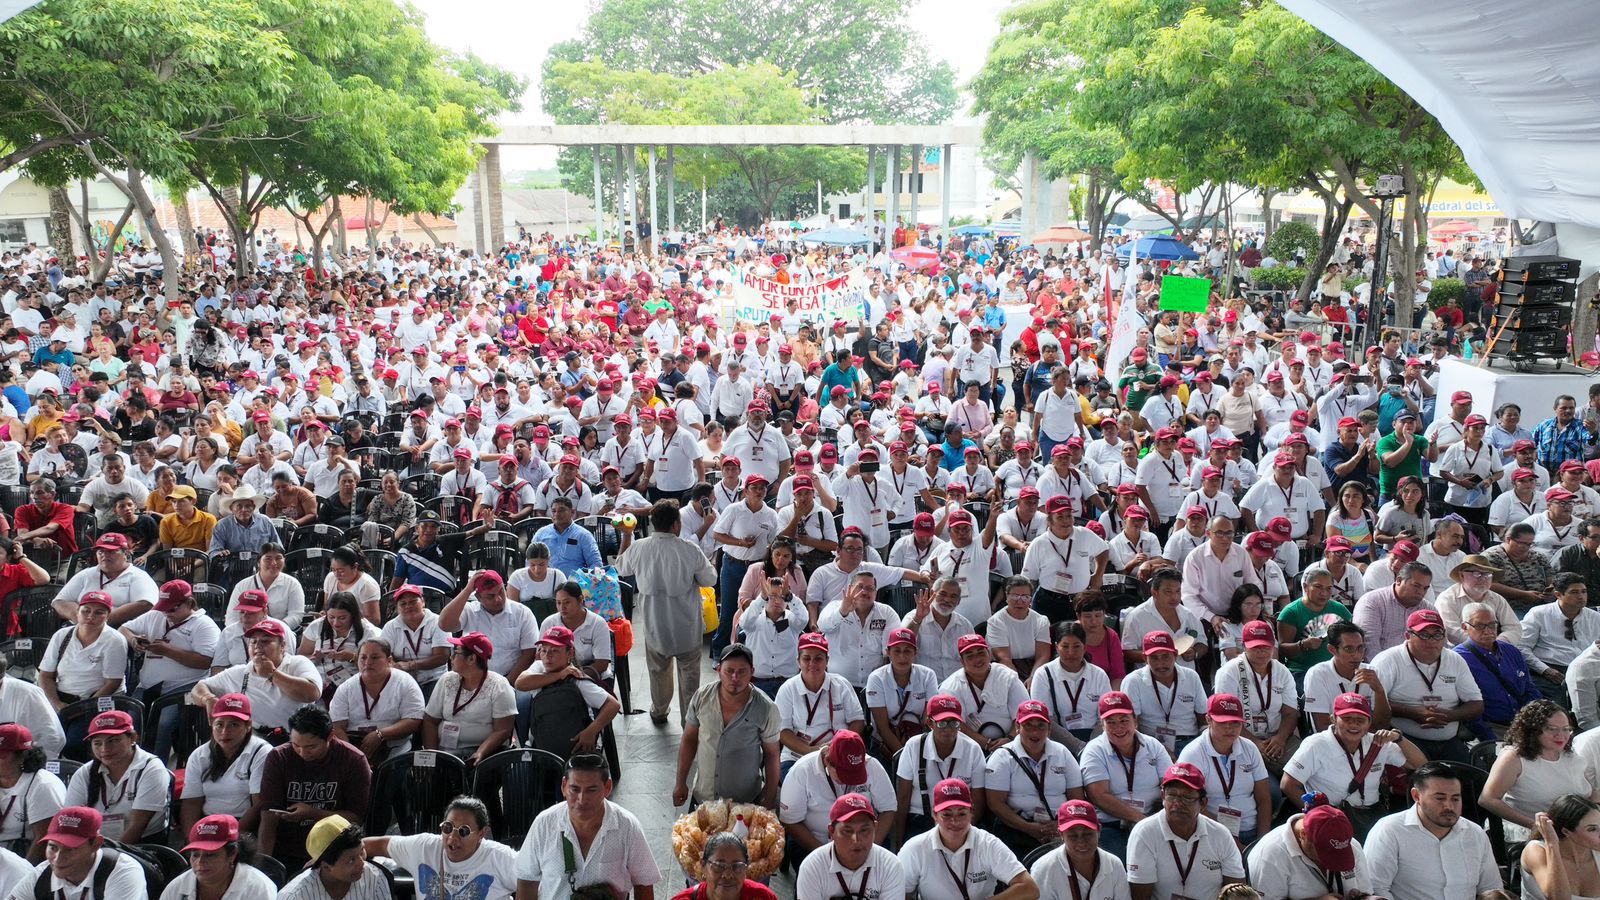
[[1296, 615], [1389, 476]]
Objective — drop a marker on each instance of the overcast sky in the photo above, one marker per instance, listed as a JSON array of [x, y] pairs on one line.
[[516, 36]]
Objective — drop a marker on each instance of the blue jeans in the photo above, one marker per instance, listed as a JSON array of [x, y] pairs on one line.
[[727, 601]]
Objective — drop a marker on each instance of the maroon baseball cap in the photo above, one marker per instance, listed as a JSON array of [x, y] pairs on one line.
[[943, 706], [1159, 642], [173, 595], [232, 706], [1405, 551], [255, 600], [851, 805], [951, 792], [1424, 618], [475, 642], [1349, 703], [95, 598], [1224, 708], [74, 826], [487, 579], [1077, 814], [923, 524], [902, 636], [1057, 504], [1280, 528], [1338, 544], [1258, 633], [1332, 839], [269, 627], [1032, 709], [212, 833], [15, 738], [1186, 774], [848, 754], [813, 641], [112, 721], [970, 642], [558, 636], [1115, 703]]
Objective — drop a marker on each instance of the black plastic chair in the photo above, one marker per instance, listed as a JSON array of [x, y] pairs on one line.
[[212, 600], [228, 571], [192, 731], [24, 654], [517, 785], [317, 535], [88, 708], [170, 861], [180, 563], [310, 566], [380, 564], [1038, 853], [273, 869], [30, 600], [13, 497], [412, 791], [902, 598], [63, 769]]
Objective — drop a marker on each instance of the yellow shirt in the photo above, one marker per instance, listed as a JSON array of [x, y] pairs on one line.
[[193, 535]]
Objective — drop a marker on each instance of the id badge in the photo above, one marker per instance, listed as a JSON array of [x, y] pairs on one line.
[[1062, 583], [1431, 699], [1072, 719], [1169, 738], [449, 736], [878, 518], [1231, 818], [1258, 725]]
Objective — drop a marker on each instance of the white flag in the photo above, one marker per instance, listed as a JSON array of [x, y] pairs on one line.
[[1125, 330]]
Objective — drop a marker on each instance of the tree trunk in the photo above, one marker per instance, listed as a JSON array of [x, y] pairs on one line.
[[416, 218], [170, 264], [102, 264], [184, 220], [1269, 218], [85, 228], [59, 227], [1335, 215], [1584, 321]]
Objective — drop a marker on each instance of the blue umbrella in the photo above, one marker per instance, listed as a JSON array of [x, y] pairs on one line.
[[843, 237], [1160, 247], [972, 229]]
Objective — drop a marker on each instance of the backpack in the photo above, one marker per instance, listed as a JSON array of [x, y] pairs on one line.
[[154, 880], [559, 714]]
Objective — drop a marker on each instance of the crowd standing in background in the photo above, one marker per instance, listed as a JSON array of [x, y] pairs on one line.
[[1245, 607]]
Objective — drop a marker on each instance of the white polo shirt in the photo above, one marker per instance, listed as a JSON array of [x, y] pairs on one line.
[[1155, 855], [1123, 550], [1298, 503], [1034, 788], [1145, 618], [619, 856], [815, 715], [822, 875], [1278, 868], [1167, 481], [1408, 682], [269, 706], [868, 507], [1063, 565], [1136, 781], [982, 862], [1549, 539], [1230, 780], [922, 768], [198, 634], [132, 585], [1323, 684], [1167, 713], [1053, 877], [230, 793], [674, 461], [1263, 697], [855, 646], [1408, 863], [936, 645], [1321, 764], [83, 670], [993, 709], [510, 631], [144, 787], [740, 521], [759, 451], [808, 793], [34, 798], [827, 584], [1073, 698], [417, 643], [905, 555], [901, 704], [970, 566], [398, 698], [1057, 414], [592, 637]]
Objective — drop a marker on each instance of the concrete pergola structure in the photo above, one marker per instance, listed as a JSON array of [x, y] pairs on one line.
[[617, 145]]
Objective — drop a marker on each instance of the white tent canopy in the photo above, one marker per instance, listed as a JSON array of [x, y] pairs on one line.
[[1516, 83]]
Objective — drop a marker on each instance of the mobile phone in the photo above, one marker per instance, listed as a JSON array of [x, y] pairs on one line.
[[1359, 379], [869, 467]]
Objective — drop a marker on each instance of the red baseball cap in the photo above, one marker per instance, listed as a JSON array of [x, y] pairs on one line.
[[970, 642], [1258, 633], [475, 642], [232, 706], [813, 641], [112, 721], [1405, 551], [1058, 503], [1338, 544], [848, 754], [1331, 837], [1262, 543], [1348, 703], [1523, 475], [1186, 774], [1424, 618], [851, 805], [15, 738], [1460, 396], [1280, 527], [270, 627], [74, 826], [1115, 703], [213, 833], [902, 637], [923, 524], [1159, 642], [1224, 708], [951, 792], [943, 706], [1029, 710], [1077, 814], [95, 598], [558, 636]]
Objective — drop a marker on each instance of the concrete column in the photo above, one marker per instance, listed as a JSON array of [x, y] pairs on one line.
[[916, 191], [621, 190], [599, 197], [1029, 226], [480, 200], [1044, 191], [866, 194], [632, 158], [944, 195], [894, 189], [655, 239], [672, 193]]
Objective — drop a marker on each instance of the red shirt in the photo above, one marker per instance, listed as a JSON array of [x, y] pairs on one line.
[[29, 517], [752, 890], [12, 577]]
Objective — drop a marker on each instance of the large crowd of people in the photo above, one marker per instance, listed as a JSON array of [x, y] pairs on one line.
[[1257, 611]]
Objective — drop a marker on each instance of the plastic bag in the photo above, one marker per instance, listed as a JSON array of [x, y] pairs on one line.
[[708, 609], [602, 593], [621, 636]]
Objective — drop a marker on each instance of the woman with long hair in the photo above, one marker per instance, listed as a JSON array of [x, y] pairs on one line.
[[1102, 645], [473, 710], [1563, 861], [332, 640], [1246, 605], [381, 708], [200, 469], [1352, 519], [780, 562], [1405, 516], [1536, 766], [29, 793], [223, 775], [1070, 686], [537, 580]]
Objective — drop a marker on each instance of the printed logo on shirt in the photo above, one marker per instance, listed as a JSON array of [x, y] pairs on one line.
[[452, 886]]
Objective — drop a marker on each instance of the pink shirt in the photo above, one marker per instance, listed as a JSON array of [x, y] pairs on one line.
[[1380, 614], [1209, 582]]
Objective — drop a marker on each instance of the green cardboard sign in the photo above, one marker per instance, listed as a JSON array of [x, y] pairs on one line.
[[1185, 294]]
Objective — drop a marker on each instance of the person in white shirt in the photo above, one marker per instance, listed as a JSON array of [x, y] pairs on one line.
[[1177, 852], [809, 790], [898, 693], [1238, 785], [1063, 561], [989, 694], [276, 684], [932, 860], [852, 857], [216, 867], [857, 628], [618, 855], [815, 704], [462, 861], [1310, 855], [1269, 700], [1028, 778], [1133, 546], [1080, 868], [224, 774], [1430, 692], [1170, 700], [77, 849], [1429, 851], [128, 783], [1162, 482]]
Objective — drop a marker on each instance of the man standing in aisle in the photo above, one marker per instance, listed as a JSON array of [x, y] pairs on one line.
[[670, 572]]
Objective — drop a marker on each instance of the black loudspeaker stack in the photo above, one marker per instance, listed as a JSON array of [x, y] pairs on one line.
[[1533, 318]]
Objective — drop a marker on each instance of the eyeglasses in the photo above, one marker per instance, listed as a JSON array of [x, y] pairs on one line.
[[1185, 799], [1430, 634], [462, 831], [1484, 626], [1557, 729], [718, 867]]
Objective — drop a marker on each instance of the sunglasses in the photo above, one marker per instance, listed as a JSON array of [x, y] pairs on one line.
[[462, 831]]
